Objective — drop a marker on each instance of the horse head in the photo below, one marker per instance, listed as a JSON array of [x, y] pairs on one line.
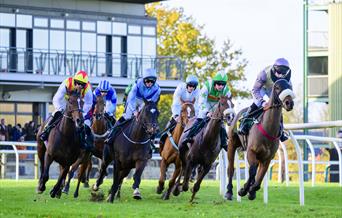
[[229, 113], [187, 112], [283, 94], [73, 109], [221, 107], [149, 117], [99, 108]]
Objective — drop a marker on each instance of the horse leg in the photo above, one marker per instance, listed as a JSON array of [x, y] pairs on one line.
[[45, 175], [230, 171], [175, 174], [61, 177], [187, 173], [123, 174], [163, 167], [256, 186], [106, 161], [71, 173], [253, 163], [87, 173], [139, 168], [82, 171], [116, 181], [200, 176]]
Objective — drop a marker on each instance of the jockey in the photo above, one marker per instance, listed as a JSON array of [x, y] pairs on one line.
[[185, 92], [210, 94], [263, 86], [77, 83], [108, 92], [145, 88]]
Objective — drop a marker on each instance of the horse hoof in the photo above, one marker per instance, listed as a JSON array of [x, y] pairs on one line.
[[95, 188], [166, 196], [86, 185], [159, 190], [251, 196], [185, 188], [229, 196], [75, 195], [137, 194], [110, 198], [176, 192], [65, 191], [242, 192]]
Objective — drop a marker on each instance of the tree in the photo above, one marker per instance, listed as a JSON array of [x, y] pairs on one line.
[[178, 35]]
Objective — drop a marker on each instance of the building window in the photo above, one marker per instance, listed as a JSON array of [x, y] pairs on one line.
[[119, 29], [133, 29], [40, 22], [88, 26], [73, 24], [24, 21], [149, 30], [56, 23], [318, 65], [104, 27], [7, 19]]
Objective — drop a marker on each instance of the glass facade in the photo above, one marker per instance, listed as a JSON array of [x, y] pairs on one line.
[[62, 46]]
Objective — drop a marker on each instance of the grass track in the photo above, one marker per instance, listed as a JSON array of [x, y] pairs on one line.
[[18, 199]]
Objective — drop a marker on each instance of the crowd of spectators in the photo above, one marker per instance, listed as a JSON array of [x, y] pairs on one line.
[[18, 133]]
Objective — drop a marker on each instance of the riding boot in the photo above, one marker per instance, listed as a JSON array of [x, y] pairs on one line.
[[170, 126], [283, 135], [114, 130], [196, 127], [52, 123], [243, 125], [88, 142], [223, 137]]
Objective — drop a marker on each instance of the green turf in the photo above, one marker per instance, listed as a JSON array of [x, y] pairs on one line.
[[18, 199]]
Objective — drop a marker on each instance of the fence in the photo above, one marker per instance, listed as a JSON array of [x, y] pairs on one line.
[[223, 163], [18, 152]]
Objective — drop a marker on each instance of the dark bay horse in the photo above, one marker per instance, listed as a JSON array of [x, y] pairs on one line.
[[99, 128], [262, 141], [205, 147], [63, 145], [130, 149], [169, 154]]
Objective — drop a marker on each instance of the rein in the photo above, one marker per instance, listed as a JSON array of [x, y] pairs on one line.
[[135, 142]]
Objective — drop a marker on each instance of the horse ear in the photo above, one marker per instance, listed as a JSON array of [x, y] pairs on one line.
[[145, 101], [193, 101]]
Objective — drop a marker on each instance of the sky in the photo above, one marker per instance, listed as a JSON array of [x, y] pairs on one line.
[[265, 30]]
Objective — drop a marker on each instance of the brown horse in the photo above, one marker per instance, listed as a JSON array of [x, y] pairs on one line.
[[99, 129], [205, 147], [170, 153], [262, 141], [130, 149], [63, 145]]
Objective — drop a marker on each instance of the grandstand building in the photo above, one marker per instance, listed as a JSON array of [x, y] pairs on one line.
[[44, 41]]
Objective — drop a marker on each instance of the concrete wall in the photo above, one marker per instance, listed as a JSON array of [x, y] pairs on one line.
[[83, 5]]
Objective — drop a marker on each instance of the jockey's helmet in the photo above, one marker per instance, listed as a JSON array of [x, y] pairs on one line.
[[150, 75], [191, 80], [104, 86], [81, 77], [220, 78], [281, 70]]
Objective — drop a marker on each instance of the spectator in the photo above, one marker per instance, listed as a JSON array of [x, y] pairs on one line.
[[30, 136], [3, 130], [17, 133]]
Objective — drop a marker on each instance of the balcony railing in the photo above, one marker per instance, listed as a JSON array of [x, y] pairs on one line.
[[96, 64]]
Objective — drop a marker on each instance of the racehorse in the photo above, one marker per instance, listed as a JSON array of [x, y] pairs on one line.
[[262, 140], [63, 145], [206, 145], [99, 128], [170, 153], [130, 149]]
